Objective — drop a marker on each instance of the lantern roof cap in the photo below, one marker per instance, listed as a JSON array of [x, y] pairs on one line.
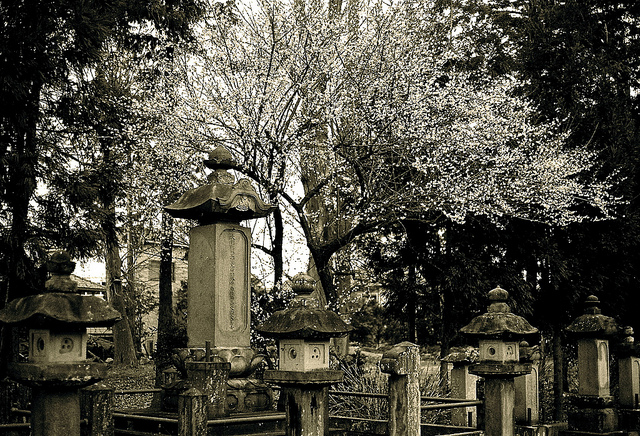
[[498, 322], [593, 323], [222, 199], [304, 318], [57, 308], [59, 304]]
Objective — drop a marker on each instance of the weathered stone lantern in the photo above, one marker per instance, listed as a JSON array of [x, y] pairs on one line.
[[595, 411], [629, 382], [304, 331], [499, 333], [219, 279], [57, 367]]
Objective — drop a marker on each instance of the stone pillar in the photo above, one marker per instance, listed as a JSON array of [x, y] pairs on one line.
[[219, 287], [402, 363], [306, 399], [210, 378], [192, 413], [55, 411], [96, 403], [527, 401], [463, 386], [499, 394], [629, 383], [593, 367]]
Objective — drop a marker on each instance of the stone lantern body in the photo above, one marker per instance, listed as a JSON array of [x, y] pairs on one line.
[[499, 333], [57, 367], [219, 283], [304, 331], [594, 403]]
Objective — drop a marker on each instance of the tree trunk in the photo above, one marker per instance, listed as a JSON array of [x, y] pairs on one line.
[[22, 157], [124, 349], [558, 378], [166, 321], [444, 344], [278, 243], [411, 305]]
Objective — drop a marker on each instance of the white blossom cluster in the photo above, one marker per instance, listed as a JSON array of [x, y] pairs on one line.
[[369, 110]]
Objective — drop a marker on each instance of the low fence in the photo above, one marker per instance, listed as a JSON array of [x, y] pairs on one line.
[[122, 422]]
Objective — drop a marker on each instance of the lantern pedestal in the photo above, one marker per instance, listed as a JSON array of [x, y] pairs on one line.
[[306, 399], [500, 394], [56, 388], [594, 415]]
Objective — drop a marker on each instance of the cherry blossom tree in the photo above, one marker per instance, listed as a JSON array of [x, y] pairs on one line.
[[365, 111]]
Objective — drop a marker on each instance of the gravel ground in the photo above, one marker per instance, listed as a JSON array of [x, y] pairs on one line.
[[125, 378]]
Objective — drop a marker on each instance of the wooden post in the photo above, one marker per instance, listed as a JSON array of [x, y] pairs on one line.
[[402, 363], [96, 406], [192, 413], [211, 379]]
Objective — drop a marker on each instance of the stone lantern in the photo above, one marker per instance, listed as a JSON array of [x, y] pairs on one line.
[[304, 331], [57, 366], [629, 381], [219, 280], [499, 333], [595, 405]]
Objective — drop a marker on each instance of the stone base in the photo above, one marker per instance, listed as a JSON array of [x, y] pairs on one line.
[[590, 433], [629, 419], [243, 395], [554, 429], [248, 395], [591, 420]]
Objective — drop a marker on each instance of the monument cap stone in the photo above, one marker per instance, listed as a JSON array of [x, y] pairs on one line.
[[498, 322], [593, 324], [222, 199]]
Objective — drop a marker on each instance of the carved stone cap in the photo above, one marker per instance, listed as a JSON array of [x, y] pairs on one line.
[[304, 318], [60, 266], [56, 309], [499, 322], [59, 304], [220, 158], [593, 324]]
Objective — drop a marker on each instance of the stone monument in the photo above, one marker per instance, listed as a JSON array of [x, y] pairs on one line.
[[219, 275]]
